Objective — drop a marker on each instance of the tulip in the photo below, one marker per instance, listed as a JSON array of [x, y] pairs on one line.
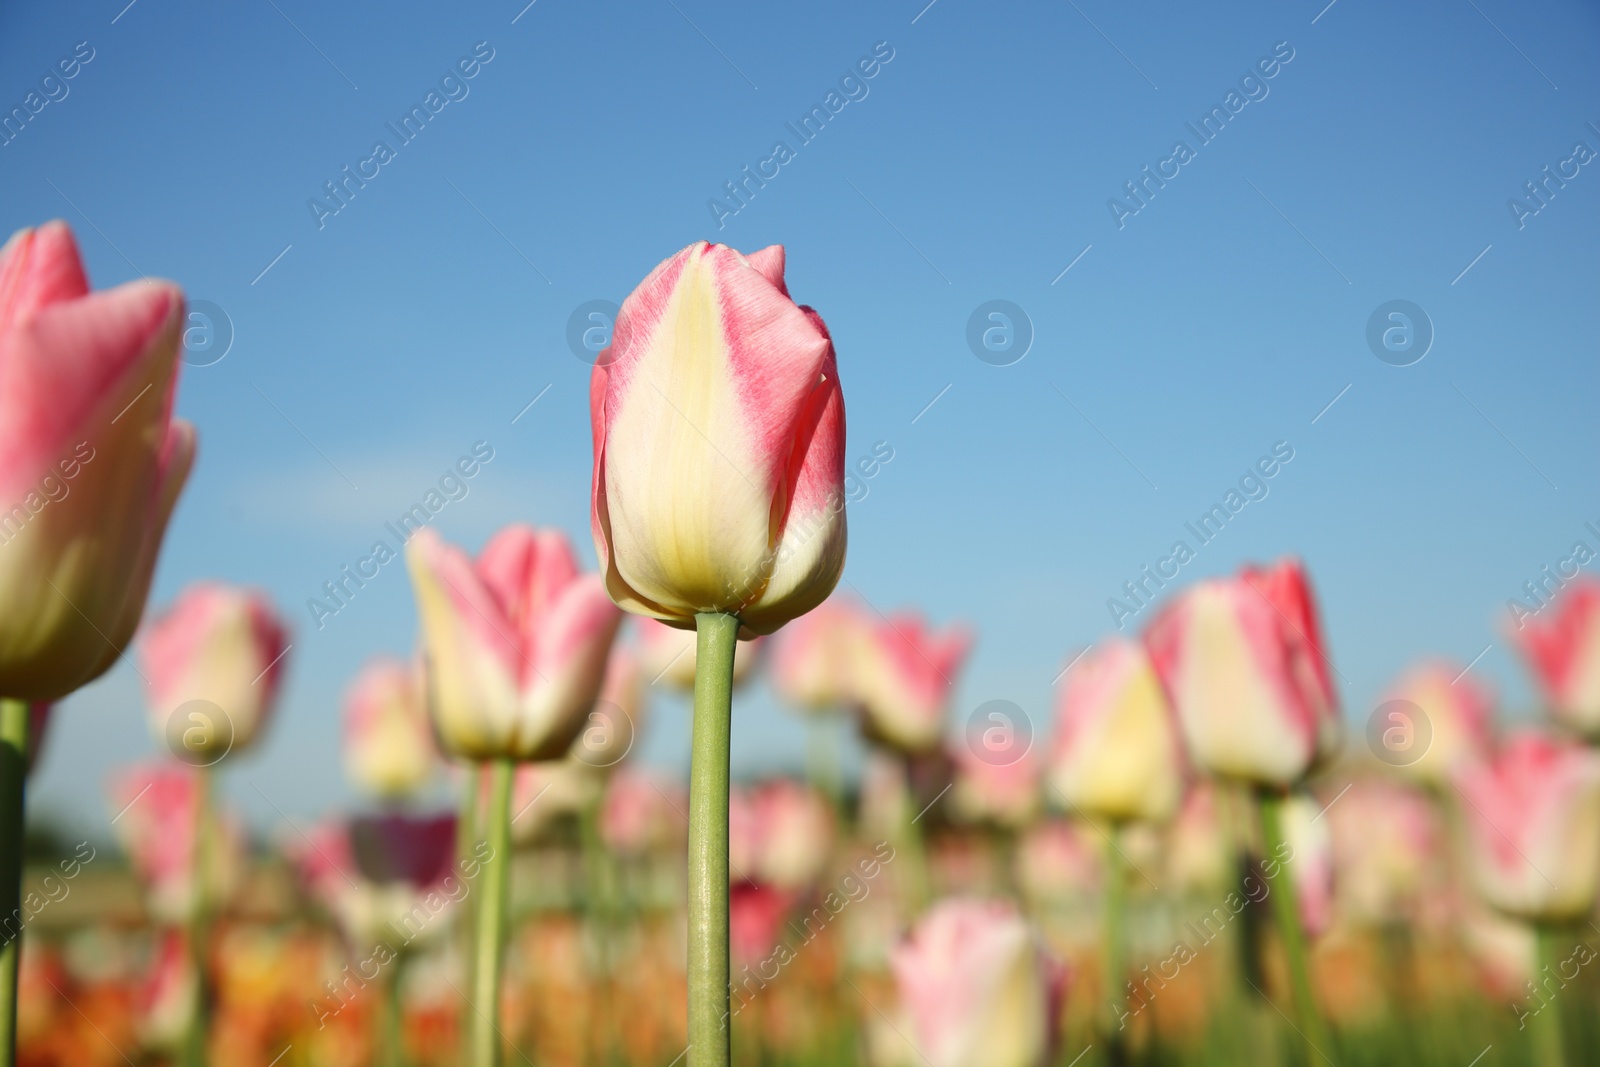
[[388, 741], [1459, 711], [779, 834], [90, 469], [515, 645], [220, 645], [976, 988], [1005, 794], [155, 811], [543, 794], [92, 464], [1057, 859], [167, 996], [717, 504], [1310, 862], [812, 667], [1533, 827], [1117, 754], [640, 814], [1387, 841], [618, 716], [667, 654], [718, 445], [387, 880], [1244, 665], [1199, 853], [904, 673], [1562, 647], [515, 642]]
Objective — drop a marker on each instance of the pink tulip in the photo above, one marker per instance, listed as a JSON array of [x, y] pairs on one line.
[[154, 809], [221, 645], [387, 880], [1562, 647], [91, 460], [904, 676], [780, 834], [516, 642], [1387, 848], [1311, 867], [1058, 859], [618, 717], [388, 741], [1533, 827], [718, 445], [167, 997], [1459, 712], [976, 988], [544, 793], [640, 814], [1117, 754], [1244, 664], [1199, 853], [755, 917], [1003, 793], [812, 668], [667, 656]]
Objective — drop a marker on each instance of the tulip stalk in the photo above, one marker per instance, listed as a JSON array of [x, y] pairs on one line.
[[1116, 948], [709, 1033], [491, 918], [1286, 916], [13, 771], [1549, 1045], [194, 1039]]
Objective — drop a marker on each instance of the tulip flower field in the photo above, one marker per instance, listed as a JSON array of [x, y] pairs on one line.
[[671, 718]]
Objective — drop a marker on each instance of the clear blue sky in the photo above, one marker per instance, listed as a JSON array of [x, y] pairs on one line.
[[1221, 318]]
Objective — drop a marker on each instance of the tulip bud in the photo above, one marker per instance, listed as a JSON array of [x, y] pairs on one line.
[[812, 667], [667, 656], [221, 645], [779, 834], [1244, 665], [388, 742], [1059, 859], [1562, 647], [1387, 842], [904, 675], [1533, 827], [91, 461], [640, 814], [718, 445], [1005, 794], [976, 988], [1117, 755], [167, 995], [1310, 862], [1459, 712], [1199, 855], [385, 880], [515, 643]]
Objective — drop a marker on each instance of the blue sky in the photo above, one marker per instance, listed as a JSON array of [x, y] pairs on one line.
[[1221, 318]]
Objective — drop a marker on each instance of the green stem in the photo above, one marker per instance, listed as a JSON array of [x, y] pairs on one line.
[[1286, 915], [911, 851], [469, 826], [13, 770], [390, 1036], [492, 919], [194, 1040], [1116, 948], [600, 874], [709, 1033], [1548, 1043]]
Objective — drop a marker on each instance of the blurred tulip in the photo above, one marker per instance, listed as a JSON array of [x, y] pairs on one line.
[[1117, 754], [154, 813], [718, 427], [1002, 793], [780, 834], [168, 997], [1533, 827], [515, 643], [388, 741], [755, 916], [387, 880], [618, 717], [1311, 863], [640, 814], [222, 645], [812, 667], [544, 793], [1200, 855], [667, 654], [1058, 859], [90, 467], [1562, 647], [1459, 712], [904, 674], [1387, 842], [976, 988], [1244, 664]]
